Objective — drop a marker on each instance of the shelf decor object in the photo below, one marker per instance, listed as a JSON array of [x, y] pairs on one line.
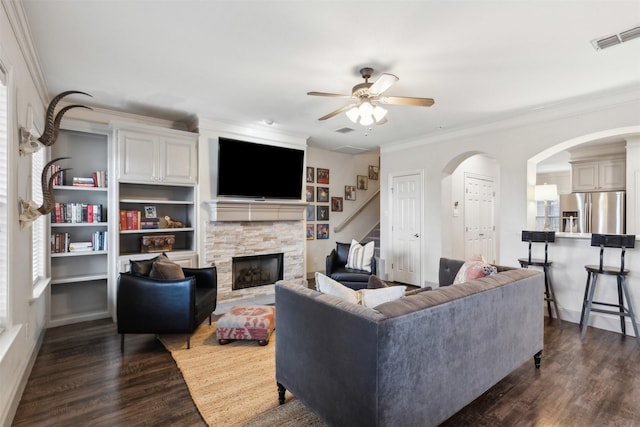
[[158, 243], [30, 210]]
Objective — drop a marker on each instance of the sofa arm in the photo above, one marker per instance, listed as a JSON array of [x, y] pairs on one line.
[[373, 265], [147, 305]]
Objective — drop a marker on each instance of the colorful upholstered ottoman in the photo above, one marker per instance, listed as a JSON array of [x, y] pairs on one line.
[[247, 322]]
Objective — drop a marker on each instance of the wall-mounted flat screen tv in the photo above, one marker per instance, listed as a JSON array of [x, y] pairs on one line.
[[247, 169]]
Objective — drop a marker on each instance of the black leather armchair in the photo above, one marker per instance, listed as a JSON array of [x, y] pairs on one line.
[[166, 306], [335, 268]]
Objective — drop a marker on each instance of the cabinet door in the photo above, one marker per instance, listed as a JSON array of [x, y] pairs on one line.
[[138, 157], [178, 161], [612, 175], [584, 177]]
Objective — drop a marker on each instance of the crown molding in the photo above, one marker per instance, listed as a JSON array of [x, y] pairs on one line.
[[20, 26]]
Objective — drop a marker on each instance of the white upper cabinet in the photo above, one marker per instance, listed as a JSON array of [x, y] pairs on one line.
[[162, 157], [598, 175]]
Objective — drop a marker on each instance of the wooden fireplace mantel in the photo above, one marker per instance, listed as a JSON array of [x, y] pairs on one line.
[[255, 210]]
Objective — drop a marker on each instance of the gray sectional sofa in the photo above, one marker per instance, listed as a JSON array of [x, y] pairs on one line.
[[410, 362]]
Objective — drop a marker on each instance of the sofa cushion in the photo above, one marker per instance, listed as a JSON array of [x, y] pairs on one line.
[[374, 297], [474, 268], [360, 256], [375, 282], [143, 267], [166, 270], [328, 286]]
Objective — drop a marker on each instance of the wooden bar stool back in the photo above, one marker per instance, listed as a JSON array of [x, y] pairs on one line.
[[622, 242], [545, 237]]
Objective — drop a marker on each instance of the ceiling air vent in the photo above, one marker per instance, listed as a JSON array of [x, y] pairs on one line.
[[612, 40], [344, 130]]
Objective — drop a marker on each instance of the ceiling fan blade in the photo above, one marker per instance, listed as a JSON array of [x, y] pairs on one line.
[[338, 111], [334, 95], [406, 100], [383, 121], [384, 82]]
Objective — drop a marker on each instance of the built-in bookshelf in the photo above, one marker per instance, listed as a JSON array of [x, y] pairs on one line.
[[79, 227], [156, 192]]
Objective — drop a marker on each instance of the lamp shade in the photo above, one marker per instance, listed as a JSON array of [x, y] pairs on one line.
[[546, 192]]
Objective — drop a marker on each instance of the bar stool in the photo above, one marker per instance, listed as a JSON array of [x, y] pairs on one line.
[[545, 237], [621, 241]]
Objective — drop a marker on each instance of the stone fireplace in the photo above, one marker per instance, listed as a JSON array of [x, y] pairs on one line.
[[253, 229]]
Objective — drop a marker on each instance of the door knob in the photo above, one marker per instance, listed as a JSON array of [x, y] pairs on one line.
[[416, 235]]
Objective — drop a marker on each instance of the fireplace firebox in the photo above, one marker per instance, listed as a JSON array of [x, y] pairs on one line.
[[256, 270]]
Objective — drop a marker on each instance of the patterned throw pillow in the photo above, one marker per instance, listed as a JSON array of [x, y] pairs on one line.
[[359, 257], [474, 268]]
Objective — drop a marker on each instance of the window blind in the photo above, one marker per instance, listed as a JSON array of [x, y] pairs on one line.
[[38, 239]]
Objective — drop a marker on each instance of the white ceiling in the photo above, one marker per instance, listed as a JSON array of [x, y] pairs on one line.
[[248, 61]]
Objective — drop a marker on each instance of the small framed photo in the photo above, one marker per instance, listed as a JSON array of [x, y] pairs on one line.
[[322, 231], [323, 176], [311, 213], [363, 182], [150, 212], [310, 193], [310, 174], [310, 232], [323, 194], [336, 204], [373, 172], [349, 192], [323, 213]]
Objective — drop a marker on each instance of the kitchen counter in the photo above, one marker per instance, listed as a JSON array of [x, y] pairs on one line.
[[569, 254]]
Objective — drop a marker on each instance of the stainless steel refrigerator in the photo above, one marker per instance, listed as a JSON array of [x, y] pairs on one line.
[[599, 212]]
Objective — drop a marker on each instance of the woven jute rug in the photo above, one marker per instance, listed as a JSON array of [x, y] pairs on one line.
[[235, 384]]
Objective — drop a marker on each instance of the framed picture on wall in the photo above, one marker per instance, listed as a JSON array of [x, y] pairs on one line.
[[323, 176], [311, 213], [323, 194], [373, 172], [323, 213], [349, 192], [322, 231], [336, 204], [310, 232], [363, 182], [310, 174], [310, 193]]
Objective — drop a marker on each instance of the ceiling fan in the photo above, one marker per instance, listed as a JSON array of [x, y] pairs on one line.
[[367, 97]]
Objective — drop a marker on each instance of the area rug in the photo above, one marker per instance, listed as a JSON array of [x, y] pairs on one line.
[[234, 384]]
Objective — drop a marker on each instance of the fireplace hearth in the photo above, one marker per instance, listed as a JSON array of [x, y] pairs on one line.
[[256, 270]]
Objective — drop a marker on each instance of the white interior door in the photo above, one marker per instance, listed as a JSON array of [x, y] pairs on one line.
[[479, 217], [406, 220]]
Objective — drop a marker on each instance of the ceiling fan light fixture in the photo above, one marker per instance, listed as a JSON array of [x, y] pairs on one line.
[[365, 108], [379, 113], [366, 120], [353, 114]]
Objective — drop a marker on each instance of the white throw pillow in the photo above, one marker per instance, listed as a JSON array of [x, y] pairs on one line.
[[375, 297], [328, 286], [360, 256]]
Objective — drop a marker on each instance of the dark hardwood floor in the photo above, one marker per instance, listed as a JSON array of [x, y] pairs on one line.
[[80, 378]]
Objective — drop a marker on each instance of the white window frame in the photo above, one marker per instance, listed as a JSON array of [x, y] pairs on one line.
[[4, 197]]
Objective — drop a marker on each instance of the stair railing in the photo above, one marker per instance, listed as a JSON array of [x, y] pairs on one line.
[[355, 213]]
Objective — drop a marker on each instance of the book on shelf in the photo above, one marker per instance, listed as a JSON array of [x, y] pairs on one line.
[[80, 246], [60, 177], [97, 179], [59, 243], [76, 213], [149, 223], [130, 219]]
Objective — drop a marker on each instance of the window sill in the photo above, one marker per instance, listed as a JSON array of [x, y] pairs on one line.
[[39, 288]]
